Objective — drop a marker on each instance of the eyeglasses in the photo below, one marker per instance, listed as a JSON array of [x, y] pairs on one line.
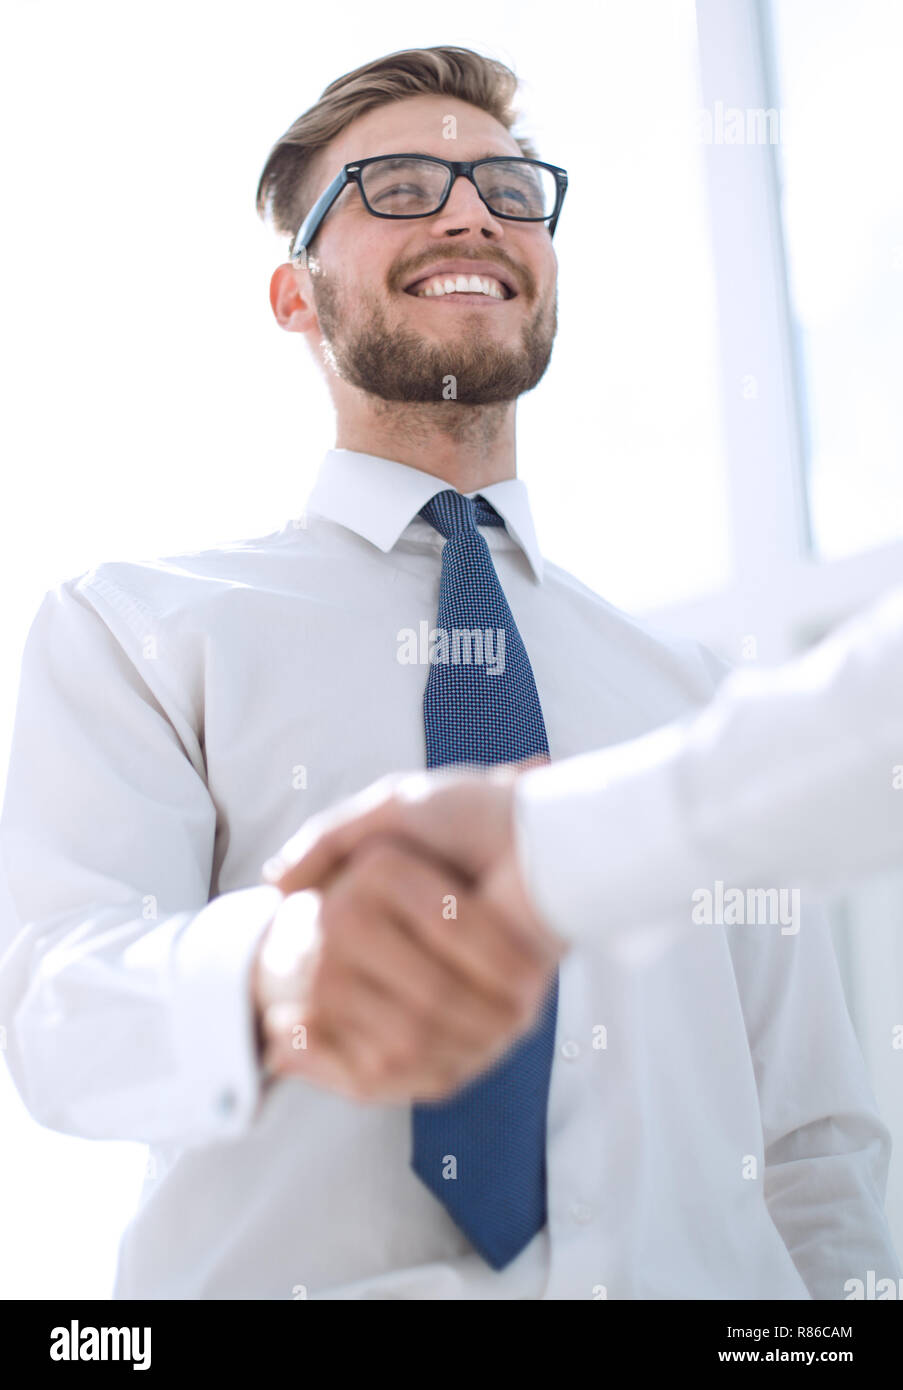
[[418, 185]]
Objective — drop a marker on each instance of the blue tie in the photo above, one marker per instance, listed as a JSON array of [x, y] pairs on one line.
[[482, 1151]]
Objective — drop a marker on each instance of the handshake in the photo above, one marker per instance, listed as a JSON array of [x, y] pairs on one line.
[[406, 955]]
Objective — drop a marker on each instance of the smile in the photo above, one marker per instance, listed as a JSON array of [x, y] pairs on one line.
[[471, 284]]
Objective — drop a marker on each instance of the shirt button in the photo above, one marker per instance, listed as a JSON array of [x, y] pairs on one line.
[[226, 1102], [570, 1049], [581, 1213]]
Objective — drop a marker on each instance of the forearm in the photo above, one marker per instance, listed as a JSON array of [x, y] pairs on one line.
[[120, 1028], [788, 777]]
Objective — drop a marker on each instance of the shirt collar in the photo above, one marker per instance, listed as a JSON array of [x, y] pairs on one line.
[[378, 498]]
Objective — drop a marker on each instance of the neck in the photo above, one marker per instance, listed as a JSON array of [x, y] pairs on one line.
[[467, 446]]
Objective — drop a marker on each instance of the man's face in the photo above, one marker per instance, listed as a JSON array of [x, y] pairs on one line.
[[400, 347]]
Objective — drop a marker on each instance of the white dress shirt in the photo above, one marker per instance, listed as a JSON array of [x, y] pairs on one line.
[[790, 775], [178, 719]]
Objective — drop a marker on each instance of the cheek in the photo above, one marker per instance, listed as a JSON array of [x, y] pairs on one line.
[[368, 263], [549, 269], [540, 263]]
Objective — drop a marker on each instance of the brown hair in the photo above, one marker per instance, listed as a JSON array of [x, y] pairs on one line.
[[286, 187]]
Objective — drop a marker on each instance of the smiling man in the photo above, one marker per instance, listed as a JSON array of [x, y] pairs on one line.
[[479, 317], [399, 1087], [432, 313]]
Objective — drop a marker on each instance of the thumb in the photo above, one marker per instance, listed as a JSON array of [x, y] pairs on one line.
[[325, 840]]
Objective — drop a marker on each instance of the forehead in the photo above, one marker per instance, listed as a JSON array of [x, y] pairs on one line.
[[426, 124]]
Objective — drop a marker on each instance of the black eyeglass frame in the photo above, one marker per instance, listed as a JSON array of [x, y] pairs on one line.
[[351, 173]]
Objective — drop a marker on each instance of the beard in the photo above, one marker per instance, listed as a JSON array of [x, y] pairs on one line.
[[393, 361]]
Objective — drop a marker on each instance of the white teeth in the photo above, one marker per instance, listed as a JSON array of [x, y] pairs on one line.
[[462, 284]]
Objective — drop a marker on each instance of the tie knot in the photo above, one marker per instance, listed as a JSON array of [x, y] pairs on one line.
[[451, 513]]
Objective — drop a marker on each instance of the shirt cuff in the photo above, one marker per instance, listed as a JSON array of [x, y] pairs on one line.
[[601, 841], [214, 1022]]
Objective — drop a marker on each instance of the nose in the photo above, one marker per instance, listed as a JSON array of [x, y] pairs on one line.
[[465, 211]]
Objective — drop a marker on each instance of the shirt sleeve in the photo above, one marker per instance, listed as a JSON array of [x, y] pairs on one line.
[[789, 775], [124, 989]]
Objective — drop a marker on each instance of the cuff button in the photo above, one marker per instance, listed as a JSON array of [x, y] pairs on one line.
[[226, 1102]]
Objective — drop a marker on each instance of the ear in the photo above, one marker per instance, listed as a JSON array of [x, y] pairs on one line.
[[291, 298]]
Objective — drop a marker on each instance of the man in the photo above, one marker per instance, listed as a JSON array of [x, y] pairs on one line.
[[502, 1121]]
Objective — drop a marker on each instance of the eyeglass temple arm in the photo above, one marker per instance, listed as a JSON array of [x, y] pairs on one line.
[[308, 228]]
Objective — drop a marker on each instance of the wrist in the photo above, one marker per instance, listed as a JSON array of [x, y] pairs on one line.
[[259, 996]]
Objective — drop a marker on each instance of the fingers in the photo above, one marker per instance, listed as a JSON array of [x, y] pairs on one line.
[[392, 1055], [461, 814], [420, 988], [361, 1042], [325, 840], [455, 926], [389, 995]]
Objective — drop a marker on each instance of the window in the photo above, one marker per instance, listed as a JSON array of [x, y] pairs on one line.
[[628, 420], [835, 72]]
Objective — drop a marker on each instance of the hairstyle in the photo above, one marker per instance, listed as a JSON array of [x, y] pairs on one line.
[[287, 187]]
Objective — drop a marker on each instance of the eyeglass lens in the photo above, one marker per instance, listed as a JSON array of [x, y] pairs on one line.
[[408, 187]]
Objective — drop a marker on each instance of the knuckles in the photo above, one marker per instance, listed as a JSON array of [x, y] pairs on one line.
[[377, 864]]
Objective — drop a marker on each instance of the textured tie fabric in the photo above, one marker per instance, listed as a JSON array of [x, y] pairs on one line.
[[482, 1151]]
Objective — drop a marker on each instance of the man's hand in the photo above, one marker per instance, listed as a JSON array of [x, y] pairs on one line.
[[406, 956], [463, 818]]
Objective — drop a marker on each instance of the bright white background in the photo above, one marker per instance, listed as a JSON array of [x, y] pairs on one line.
[[153, 405]]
